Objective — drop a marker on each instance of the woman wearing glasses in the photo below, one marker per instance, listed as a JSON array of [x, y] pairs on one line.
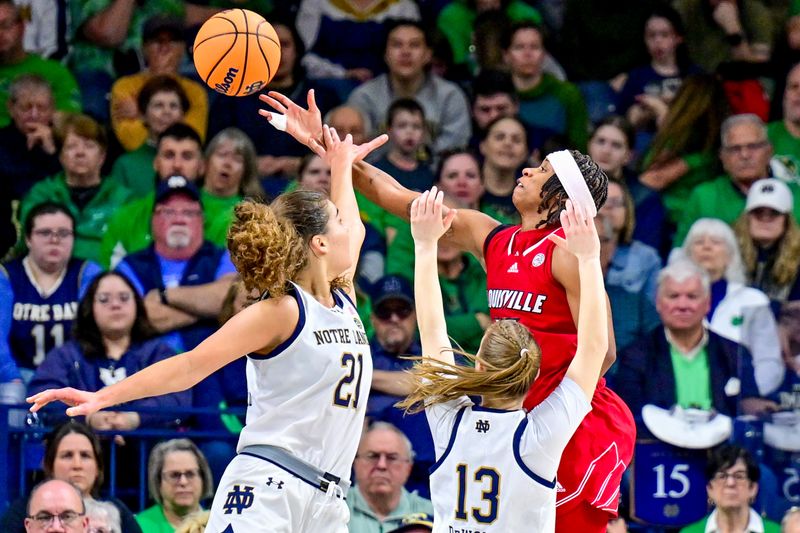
[[112, 340], [39, 292], [178, 477]]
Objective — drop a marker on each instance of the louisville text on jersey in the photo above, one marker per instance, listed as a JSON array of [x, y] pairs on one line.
[[517, 300]]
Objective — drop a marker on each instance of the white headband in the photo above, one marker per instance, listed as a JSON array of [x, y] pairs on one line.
[[572, 180]]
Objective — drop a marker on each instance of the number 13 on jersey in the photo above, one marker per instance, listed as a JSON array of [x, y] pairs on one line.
[[348, 390], [487, 481]]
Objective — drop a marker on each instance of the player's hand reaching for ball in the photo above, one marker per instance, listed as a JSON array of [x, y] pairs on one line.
[[580, 232], [82, 403], [429, 220], [338, 151], [305, 125]]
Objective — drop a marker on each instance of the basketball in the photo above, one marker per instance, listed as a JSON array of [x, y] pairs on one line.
[[236, 52]]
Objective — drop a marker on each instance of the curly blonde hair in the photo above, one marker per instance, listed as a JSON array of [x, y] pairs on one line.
[[509, 357], [269, 243]]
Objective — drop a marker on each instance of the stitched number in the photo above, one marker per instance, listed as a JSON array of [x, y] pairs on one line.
[[489, 494], [347, 394]]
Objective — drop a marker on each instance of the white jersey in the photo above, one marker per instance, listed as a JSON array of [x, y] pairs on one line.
[[495, 469], [309, 395]]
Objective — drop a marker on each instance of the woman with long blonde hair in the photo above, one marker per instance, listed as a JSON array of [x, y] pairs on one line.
[[496, 463]]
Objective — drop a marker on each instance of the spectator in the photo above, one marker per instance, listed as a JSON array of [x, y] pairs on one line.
[[408, 56], [407, 155], [108, 41], [504, 150], [769, 239], [348, 119], [182, 277], [733, 477], [178, 477], [683, 152], [72, 454], [544, 101], [493, 96], [163, 49], [178, 153], [278, 154], [784, 134], [738, 313], [112, 340], [91, 198], [56, 501], [27, 149], [611, 146], [661, 78], [457, 19], [103, 517], [15, 61], [634, 265], [162, 102], [230, 177], [313, 174], [745, 155], [378, 502], [634, 314], [343, 40], [39, 292], [684, 363], [719, 31]]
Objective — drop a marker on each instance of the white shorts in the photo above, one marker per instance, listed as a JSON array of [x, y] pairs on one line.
[[255, 495]]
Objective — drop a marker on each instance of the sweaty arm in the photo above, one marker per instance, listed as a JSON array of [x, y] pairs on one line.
[[565, 271]]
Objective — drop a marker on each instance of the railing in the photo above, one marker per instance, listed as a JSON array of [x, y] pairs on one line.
[[27, 431]]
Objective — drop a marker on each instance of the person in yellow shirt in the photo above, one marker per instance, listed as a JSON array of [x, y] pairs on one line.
[[163, 49]]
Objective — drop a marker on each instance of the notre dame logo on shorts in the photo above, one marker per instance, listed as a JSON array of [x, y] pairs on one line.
[[239, 499]]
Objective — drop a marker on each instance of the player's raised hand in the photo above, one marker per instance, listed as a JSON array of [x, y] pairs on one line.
[[82, 403], [305, 125], [429, 221], [336, 150], [580, 232]]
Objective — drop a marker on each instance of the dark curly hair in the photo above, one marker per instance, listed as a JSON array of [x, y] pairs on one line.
[[554, 197]]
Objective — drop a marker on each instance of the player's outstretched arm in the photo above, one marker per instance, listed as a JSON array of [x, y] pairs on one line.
[[469, 229], [260, 326], [340, 154], [428, 224], [582, 242]]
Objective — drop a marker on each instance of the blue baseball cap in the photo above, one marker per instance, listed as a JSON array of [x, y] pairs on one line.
[[176, 185], [392, 287]]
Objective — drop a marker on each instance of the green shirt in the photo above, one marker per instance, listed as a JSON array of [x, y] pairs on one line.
[[134, 170], [65, 89], [363, 520], [719, 198], [785, 145], [692, 379], [768, 526], [152, 520], [91, 222], [130, 229], [558, 106]]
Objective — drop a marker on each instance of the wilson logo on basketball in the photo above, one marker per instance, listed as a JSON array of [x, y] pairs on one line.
[[225, 86]]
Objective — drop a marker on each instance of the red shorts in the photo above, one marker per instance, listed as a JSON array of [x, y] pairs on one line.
[[594, 460]]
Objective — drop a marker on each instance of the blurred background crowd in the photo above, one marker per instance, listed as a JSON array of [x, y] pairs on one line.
[[119, 170]]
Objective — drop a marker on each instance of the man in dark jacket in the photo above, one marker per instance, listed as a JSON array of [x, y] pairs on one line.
[[684, 363]]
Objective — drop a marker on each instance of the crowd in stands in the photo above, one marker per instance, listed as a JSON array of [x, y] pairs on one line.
[[119, 171]]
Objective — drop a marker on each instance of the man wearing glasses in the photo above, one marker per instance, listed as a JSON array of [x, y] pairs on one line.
[[378, 501], [56, 506], [745, 155]]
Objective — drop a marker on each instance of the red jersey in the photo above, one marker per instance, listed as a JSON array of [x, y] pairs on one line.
[[521, 286]]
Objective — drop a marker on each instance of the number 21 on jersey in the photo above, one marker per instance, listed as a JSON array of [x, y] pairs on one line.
[[348, 389], [487, 481]]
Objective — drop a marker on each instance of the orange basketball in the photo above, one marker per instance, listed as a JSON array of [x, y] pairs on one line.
[[237, 52]]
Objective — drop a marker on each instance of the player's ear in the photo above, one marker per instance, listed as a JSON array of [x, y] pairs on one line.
[[319, 245]]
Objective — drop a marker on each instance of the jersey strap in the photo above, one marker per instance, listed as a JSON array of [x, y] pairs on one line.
[[452, 441], [301, 321], [518, 457]]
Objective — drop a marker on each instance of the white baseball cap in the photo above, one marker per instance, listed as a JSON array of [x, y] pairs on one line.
[[694, 429], [772, 193]]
